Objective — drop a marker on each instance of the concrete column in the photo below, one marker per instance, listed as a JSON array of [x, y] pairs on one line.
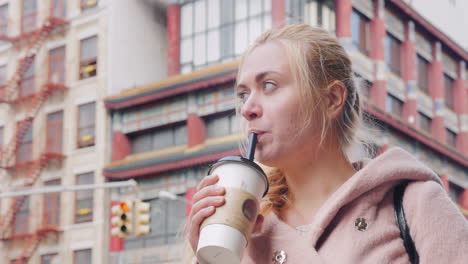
[[278, 13], [173, 39], [344, 9], [115, 243], [196, 133], [378, 92], [436, 89], [461, 108], [121, 146], [410, 108]]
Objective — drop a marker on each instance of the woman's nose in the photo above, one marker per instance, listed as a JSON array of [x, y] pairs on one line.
[[252, 108]]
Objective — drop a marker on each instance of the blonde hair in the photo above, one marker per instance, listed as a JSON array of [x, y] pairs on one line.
[[317, 60]]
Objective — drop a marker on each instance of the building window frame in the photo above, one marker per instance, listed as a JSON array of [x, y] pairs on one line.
[[145, 141], [57, 65], [58, 8], [84, 214], [22, 217], [28, 17], [228, 29], [394, 106], [86, 127], [51, 202], [449, 87], [28, 81], [87, 252], [393, 54], [88, 57], [422, 72], [54, 136], [451, 138], [424, 122], [24, 153], [4, 19], [360, 35]]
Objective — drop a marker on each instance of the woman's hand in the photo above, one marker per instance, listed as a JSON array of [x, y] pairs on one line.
[[204, 203]]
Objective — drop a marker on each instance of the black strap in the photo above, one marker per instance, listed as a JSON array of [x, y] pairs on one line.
[[401, 221]]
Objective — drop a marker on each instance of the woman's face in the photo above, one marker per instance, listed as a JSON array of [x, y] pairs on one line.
[[270, 106]]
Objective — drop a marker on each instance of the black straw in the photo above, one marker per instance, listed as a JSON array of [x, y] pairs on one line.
[[252, 145]]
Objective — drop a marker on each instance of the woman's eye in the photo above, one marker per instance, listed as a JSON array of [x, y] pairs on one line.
[[269, 86], [242, 95]]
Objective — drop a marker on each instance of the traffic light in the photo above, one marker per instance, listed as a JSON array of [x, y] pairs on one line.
[[121, 219], [142, 218]]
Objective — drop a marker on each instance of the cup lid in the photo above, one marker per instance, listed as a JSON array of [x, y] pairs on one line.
[[244, 161]]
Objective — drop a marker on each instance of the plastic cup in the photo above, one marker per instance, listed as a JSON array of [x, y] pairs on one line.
[[224, 235]]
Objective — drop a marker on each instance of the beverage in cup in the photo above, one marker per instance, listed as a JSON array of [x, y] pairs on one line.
[[224, 235]]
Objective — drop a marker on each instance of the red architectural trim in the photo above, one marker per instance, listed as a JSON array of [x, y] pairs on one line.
[[344, 9], [173, 39], [196, 130], [430, 28], [278, 13], [406, 129], [137, 172], [120, 146], [184, 88]]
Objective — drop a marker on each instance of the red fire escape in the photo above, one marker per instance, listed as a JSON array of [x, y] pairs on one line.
[[10, 94]]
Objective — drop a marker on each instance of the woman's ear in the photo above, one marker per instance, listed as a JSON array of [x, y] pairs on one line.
[[336, 98]]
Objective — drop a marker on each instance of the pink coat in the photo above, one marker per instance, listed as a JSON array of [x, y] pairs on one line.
[[439, 230]]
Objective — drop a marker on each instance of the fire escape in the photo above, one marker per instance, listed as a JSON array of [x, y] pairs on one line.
[[10, 94]]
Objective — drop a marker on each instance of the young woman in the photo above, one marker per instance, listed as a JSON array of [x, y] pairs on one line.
[[296, 90]]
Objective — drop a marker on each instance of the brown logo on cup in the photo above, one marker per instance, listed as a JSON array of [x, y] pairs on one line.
[[249, 209]]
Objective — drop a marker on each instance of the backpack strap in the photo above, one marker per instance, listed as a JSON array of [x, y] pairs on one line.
[[398, 194]]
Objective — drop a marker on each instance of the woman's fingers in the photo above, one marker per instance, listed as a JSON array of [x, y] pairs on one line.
[[196, 220], [210, 190], [208, 180], [215, 201]]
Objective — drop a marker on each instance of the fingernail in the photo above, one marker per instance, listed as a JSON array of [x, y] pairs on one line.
[[219, 199], [219, 189]]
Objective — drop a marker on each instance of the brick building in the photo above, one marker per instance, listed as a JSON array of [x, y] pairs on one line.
[[166, 133]]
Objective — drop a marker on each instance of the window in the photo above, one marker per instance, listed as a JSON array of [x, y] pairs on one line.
[[319, 13], [52, 206], [159, 138], [49, 259], [392, 54], [221, 125], [86, 125], [88, 58], [28, 80], [29, 16], [448, 90], [57, 65], [84, 199], [394, 105], [59, 8], [88, 4], [422, 66], [54, 132], [213, 31], [21, 225], [451, 138], [424, 122], [360, 33], [82, 256], [25, 148], [4, 20], [170, 217]]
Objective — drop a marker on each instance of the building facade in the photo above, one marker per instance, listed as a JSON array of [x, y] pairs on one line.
[[59, 59], [166, 133]]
